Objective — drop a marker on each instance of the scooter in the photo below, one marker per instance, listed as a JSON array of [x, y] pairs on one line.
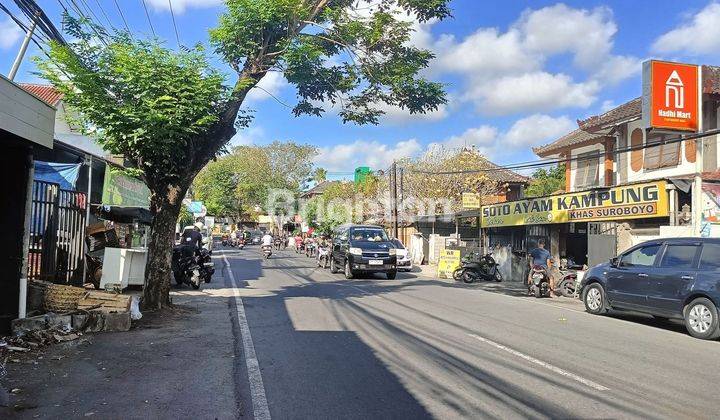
[[539, 282], [224, 240], [241, 243], [267, 251], [192, 266], [472, 269], [323, 256], [310, 249]]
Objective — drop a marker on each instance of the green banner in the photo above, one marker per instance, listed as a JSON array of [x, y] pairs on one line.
[[122, 190]]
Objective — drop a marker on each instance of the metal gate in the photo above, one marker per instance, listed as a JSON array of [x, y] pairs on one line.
[[57, 231], [602, 242]]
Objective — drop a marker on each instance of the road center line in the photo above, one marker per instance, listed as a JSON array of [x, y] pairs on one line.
[[540, 363], [261, 411]]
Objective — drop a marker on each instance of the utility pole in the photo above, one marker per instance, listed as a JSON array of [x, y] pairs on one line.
[[23, 49], [394, 198]]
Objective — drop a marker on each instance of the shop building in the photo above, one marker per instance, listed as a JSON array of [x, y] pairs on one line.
[[630, 176], [26, 128]]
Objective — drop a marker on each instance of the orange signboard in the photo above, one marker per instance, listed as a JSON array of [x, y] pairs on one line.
[[670, 95]]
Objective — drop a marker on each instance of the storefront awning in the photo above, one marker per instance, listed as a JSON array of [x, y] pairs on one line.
[[122, 214]]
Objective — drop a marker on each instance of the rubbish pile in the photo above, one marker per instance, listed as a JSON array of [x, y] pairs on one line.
[[69, 312]]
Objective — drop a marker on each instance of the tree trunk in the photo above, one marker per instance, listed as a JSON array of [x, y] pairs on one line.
[[165, 205]]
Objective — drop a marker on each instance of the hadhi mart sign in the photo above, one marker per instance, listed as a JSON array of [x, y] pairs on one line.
[[625, 202], [670, 95]]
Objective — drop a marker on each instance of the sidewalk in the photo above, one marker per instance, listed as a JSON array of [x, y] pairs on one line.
[[180, 365]]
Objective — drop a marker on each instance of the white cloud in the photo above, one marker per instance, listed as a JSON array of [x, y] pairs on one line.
[[346, 157], [396, 115], [485, 54], [179, 6], [269, 86], [558, 29], [482, 137], [246, 136], [536, 129], [698, 35], [10, 33], [532, 92]]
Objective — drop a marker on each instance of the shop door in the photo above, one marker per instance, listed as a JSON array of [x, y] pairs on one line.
[[602, 242]]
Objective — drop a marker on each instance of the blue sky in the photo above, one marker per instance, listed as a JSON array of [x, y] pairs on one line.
[[518, 73]]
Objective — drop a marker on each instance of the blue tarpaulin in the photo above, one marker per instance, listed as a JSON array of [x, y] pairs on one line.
[[65, 174]]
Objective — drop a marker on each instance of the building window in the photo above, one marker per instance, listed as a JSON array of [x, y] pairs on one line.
[[587, 173], [662, 155]]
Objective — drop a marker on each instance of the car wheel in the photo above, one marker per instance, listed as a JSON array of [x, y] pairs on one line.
[[701, 319], [391, 275], [594, 299], [333, 268], [348, 271]]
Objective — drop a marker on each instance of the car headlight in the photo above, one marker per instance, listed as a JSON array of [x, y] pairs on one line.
[[355, 251], [393, 251]]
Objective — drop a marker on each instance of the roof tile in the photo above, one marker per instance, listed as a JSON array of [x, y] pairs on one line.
[[46, 93]]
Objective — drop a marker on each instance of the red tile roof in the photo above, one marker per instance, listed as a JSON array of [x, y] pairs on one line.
[[710, 176], [46, 93]]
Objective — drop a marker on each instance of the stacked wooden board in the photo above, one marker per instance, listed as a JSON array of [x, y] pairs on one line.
[[109, 302]]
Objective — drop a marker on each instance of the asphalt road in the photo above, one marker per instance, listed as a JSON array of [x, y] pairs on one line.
[[321, 346]]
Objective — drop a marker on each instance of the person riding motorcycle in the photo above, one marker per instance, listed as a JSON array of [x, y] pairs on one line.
[[192, 237], [541, 257], [267, 240]]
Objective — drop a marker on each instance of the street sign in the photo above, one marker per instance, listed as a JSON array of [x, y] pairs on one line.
[[449, 261], [470, 200], [670, 95]]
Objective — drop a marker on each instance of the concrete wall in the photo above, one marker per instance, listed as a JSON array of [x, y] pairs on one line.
[[24, 115]]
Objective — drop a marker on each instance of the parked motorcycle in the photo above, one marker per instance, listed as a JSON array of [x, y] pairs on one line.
[[241, 243], [310, 249], [225, 240], [570, 276], [192, 266], [473, 269], [299, 247], [539, 282], [267, 251], [323, 256]]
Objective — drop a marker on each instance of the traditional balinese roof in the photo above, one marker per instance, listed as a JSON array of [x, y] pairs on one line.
[[628, 111], [711, 176], [317, 189], [46, 93], [711, 79], [505, 175], [575, 138]]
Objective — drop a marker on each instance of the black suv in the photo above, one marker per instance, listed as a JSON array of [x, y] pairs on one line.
[[363, 249], [667, 278]]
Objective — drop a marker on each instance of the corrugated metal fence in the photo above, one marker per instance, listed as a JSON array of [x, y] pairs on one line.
[[57, 228]]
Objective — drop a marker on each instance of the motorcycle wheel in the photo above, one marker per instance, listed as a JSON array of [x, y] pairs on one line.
[[325, 263], [567, 287], [467, 277], [498, 276], [537, 292], [457, 274]]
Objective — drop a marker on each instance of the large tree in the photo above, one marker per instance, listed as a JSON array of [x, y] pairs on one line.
[[170, 112], [546, 181], [235, 184]]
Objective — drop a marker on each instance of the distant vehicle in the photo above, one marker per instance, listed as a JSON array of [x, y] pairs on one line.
[[667, 278], [404, 263], [362, 249]]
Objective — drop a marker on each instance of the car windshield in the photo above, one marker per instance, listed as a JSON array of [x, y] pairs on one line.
[[398, 244], [369, 235]]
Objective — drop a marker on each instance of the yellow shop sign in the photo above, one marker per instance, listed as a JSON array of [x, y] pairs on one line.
[[617, 203], [448, 262]]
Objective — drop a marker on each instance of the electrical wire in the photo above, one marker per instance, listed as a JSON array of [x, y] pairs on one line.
[[102, 10], [122, 16], [148, 18], [588, 156], [177, 36]]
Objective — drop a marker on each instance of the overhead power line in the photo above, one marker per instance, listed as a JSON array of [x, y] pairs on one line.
[[589, 156], [148, 18], [177, 36], [122, 16]]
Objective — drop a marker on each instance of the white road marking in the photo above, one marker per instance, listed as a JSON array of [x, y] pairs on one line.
[[261, 411], [546, 365]]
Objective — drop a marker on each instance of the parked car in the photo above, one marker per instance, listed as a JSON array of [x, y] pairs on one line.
[[667, 278], [362, 249], [402, 254]]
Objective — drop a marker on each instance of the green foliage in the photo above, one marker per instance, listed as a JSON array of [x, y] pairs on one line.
[[545, 182], [143, 101], [235, 184], [319, 175], [185, 218], [337, 52]]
